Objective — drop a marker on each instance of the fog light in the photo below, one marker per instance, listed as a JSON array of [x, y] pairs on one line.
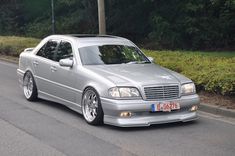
[[194, 108], [125, 114]]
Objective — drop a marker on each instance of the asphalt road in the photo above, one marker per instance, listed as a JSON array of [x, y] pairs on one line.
[[49, 129]]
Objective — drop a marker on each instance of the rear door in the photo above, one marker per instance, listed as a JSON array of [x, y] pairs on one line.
[[42, 66]]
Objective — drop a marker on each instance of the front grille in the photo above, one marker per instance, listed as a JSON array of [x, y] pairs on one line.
[[161, 92]]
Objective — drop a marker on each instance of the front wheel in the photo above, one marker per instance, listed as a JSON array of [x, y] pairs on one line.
[[29, 87], [91, 107]]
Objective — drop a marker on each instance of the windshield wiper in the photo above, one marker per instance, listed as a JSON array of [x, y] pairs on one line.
[[137, 62], [145, 62], [132, 62]]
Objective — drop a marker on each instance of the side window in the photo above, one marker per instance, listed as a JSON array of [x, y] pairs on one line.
[[64, 51], [48, 50], [41, 51]]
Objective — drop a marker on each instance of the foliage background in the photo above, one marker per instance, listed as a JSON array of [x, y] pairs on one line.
[[161, 24], [153, 24], [211, 71]]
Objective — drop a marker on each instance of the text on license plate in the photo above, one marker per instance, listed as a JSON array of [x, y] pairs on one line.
[[165, 106]]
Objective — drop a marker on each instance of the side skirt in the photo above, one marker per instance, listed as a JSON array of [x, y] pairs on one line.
[[74, 106]]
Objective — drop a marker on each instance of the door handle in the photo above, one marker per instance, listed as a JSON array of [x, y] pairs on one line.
[[35, 63], [53, 69]]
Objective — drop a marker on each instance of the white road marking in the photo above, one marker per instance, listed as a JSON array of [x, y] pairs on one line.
[[201, 114], [217, 117]]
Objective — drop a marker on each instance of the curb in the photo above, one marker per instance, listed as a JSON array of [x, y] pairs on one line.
[[9, 60], [217, 110]]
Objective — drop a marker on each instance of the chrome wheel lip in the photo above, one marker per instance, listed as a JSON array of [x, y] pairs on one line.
[[28, 86], [90, 105]]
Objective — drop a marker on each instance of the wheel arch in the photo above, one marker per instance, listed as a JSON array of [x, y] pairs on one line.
[[98, 120], [34, 91], [31, 71], [90, 86]]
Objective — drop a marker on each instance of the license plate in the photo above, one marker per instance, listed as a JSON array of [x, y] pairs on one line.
[[165, 106]]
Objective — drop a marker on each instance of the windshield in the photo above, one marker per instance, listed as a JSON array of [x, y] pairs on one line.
[[111, 54]]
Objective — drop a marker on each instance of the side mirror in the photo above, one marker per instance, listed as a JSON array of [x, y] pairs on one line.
[[151, 59], [68, 62]]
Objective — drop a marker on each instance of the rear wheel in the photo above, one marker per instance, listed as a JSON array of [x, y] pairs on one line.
[[29, 87], [91, 107]]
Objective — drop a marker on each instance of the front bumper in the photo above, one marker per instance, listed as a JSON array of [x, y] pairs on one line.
[[141, 112]]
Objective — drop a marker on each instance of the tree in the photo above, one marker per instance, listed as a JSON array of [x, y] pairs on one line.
[[171, 24]]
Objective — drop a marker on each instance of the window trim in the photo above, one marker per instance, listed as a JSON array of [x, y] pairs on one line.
[[45, 44], [62, 40]]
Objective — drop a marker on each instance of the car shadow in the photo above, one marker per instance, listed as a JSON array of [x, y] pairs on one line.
[[57, 106], [67, 110], [155, 126]]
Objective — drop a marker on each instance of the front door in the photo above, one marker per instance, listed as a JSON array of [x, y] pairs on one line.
[[64, 78]]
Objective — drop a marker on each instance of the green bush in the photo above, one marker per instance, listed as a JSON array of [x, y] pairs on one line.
[[13, 46], [213, 72], [210, 72]]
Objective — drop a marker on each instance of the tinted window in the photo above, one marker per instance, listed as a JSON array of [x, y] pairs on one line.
[[111, 54], [48, 50], [64, 51], [41, 51]]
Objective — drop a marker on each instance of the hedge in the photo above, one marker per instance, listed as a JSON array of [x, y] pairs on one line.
[[213, 73], [13, 46]]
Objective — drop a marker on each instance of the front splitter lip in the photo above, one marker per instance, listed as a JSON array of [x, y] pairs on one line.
[[149, 120]]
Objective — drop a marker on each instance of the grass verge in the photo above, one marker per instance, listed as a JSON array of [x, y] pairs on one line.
[[13, 46]]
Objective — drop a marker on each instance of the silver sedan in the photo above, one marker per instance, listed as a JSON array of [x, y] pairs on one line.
[[107, 79]]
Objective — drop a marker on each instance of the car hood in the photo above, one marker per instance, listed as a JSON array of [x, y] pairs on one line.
[[138, 74]]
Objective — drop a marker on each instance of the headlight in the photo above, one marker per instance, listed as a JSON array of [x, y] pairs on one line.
[[188, 88], [124, 92]]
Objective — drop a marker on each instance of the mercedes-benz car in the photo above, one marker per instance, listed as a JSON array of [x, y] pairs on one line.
[[107, 79]]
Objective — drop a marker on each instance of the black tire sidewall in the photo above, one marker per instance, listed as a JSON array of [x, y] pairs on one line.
[[34, 94], [100, 115]]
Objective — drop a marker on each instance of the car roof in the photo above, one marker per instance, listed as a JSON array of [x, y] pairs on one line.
[[94, 39]]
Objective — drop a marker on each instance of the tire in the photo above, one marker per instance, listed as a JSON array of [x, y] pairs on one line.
[[91, 107], [29, 87]]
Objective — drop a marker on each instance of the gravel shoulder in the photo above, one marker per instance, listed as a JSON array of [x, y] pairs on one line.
[[226, 102]]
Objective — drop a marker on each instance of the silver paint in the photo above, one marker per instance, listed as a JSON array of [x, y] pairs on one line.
[[65, 85]]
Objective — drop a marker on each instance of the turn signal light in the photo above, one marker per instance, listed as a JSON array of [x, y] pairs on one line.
[[194, 108], [125, 114]]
